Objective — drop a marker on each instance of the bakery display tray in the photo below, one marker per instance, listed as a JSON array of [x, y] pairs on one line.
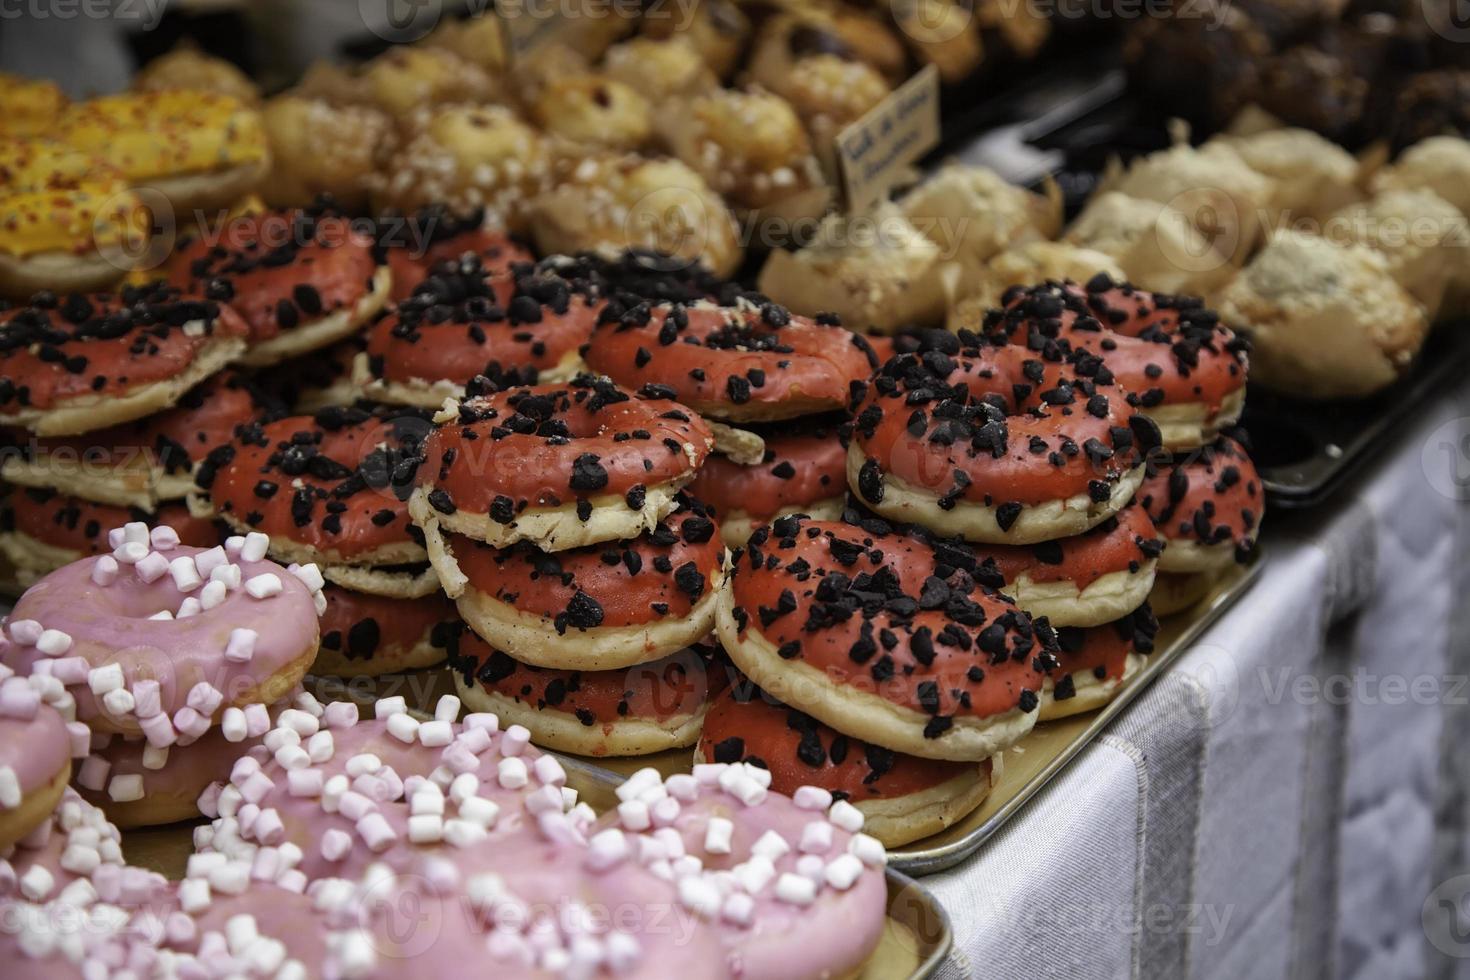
[[1025, 768], [915, 941]]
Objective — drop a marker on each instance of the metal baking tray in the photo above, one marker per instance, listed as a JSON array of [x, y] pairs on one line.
[[915, 941]]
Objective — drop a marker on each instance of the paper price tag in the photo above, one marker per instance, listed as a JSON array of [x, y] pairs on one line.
[[874, 153]]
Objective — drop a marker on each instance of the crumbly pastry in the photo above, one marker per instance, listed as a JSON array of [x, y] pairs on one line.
[[466, 157], [608, 204], [718, 29], [850, 624], [1440, 164], [1037, 261], [196, 149], [1212, 186], [944, 33], [749, 145], [477, 39], [1311, 177], [91, 361], [318, 148], [1155, 244], [588, 111], [1325, 320], [411, 80], [1423, 237], [973, 215], [599, 607], [561, 466], [647, 708], [186, 67], [68, 220], [876, 272], [902, 797]]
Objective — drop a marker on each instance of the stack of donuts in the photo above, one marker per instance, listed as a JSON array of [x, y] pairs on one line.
[[322, 824]]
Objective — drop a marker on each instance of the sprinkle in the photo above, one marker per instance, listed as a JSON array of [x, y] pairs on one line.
[[403, 727], [26, 632], [389, 706], [213, 595], [254, 547], [816, 837], [515, 740], [812, 798], [549, 771], [148, 698], [125, 788], [738, 908], [241, 647], [795, 889], [462, 833], [160, 731], [607, 849], [53, 643], [512, 773], [868, 850], [119, 702], [634, 815], [204, 698], [164, 538], [435, 734], [447, 709], [771, 846], [717, 835], [104, 571], [189, 607], [843, 872], [185, 573], [104, 679], [426, 828], [846, 816], [700, 896], [36, 883], [335, 844], [310, 576], [10, 792]]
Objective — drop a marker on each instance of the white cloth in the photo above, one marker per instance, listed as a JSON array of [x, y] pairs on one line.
[[1283, 802]]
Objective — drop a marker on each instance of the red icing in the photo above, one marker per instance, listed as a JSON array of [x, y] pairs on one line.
[[268, 263], [1113, 546], [411, 265], [81, 526], [544, 584], [51, 355], [1016, 664], [766, 731], [800, 360], [361, 626], [374, 517], [468, 461], [811, 467], [1215, 489]]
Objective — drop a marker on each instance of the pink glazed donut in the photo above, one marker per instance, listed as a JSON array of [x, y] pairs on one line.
[[793, 887], [36, 749], [157, 638]]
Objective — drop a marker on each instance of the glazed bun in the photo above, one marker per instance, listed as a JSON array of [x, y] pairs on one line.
[[319, 148], [943, 33], [590, 112], [1311, 177], [189, 68], [718, 29], [1153, 243], [1422, 236], [477, 40], [609, 203], [1325, 320], [1440, 164], [659, 69], [465, 157], [412, 80], [973, 214]]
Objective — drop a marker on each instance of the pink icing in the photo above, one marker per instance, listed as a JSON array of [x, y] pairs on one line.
[[37, 748]]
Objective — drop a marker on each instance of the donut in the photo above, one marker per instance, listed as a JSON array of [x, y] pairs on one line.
[[1086, 580], [793, 888], [320, 147], [591, 111], [743, 364], [186, 67], [1179, 365], [1093, 664], [42, 530], [464, 320], [74, 842], [855, 625], [902, 797], [638, 710], [1176, 591], [364, 635], [416, 244], [598, 607], [139, 784], [37, 745], [99, 626], [319, 379], [142, 463], [560, 466], [87, 362], [803, 472], [1207, 505], [995, 444], [660, 69], [301, 280], [328, 490], [69, 222], [197, 149]]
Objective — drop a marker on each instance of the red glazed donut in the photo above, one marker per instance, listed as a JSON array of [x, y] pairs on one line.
[[139, 464], [1093, 578], [1180, 366], [365, 635], [599, 607], [1207, 505], [740, 364], [414, 245], [801, 473], [461, 322], [42, 530], [560, 466], [302, 280], [995, 444], [37, 745], [636, 710], [902, 797], [157, 638], [851, 624], [320, 379], [328, 489], [1094, 663], [87, 362]]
